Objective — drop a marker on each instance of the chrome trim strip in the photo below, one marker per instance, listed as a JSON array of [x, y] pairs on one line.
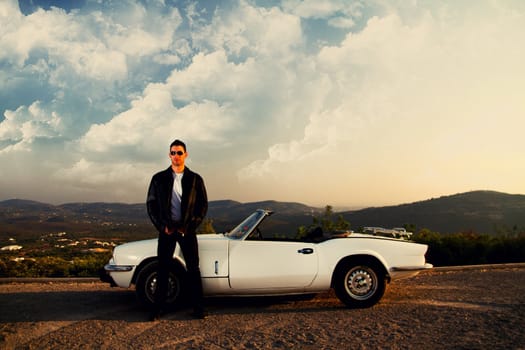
[[118, 268], [412, 268]]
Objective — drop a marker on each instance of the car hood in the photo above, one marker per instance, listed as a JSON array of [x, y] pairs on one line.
[[133, 252]]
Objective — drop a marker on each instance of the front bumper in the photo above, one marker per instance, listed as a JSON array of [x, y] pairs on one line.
[[122, 274]]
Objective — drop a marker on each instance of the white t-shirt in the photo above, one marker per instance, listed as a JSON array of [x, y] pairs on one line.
[[176, 196]]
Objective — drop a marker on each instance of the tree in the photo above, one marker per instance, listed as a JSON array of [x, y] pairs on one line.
[[206, 227], [327, 221], [410, 227]]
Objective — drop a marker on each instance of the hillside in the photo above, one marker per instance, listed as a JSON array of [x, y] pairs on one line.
[[479, 211], [27, 220]]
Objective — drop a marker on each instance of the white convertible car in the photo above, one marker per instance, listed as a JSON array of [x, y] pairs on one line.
[[246, 262]]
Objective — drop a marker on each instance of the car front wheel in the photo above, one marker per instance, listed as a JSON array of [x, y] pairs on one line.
[[147, 284], [359, 285]]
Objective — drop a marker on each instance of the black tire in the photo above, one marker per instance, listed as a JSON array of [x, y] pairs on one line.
[[147, 281], [360, 284]]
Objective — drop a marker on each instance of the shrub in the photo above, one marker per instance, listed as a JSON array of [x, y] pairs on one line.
[[470, 248]]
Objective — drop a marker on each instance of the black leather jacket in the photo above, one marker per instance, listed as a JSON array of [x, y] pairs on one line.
[[194, 202]]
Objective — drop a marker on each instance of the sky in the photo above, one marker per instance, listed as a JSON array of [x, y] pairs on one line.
[[343, 103]]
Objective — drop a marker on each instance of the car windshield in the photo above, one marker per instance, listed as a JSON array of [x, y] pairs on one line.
[[246, 226]]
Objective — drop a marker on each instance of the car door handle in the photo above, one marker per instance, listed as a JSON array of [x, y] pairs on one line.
[[305, 251]]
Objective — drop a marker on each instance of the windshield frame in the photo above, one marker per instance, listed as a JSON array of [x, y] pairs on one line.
[[246, 227]]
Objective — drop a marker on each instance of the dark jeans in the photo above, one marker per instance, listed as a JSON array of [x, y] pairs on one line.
[[190, 250]]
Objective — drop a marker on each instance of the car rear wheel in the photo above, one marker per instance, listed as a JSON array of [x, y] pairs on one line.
[[360, 284], [147, 284]]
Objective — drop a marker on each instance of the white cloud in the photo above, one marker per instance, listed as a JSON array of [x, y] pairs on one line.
[[394, 92], [212, 76], [141, 31], [252, 31], [154, 117], [65, 39], [27, 123], [86, 178], [409, 91]]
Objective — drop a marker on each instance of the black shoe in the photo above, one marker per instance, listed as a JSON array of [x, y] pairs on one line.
[[199, 314], [154, 315]]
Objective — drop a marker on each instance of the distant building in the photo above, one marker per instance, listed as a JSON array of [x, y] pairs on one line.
[[22, 259], [11, 247]]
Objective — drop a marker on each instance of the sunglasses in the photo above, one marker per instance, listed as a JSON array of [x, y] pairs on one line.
[[179, 153]]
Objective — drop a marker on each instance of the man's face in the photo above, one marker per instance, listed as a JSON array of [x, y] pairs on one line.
[[177, 155]]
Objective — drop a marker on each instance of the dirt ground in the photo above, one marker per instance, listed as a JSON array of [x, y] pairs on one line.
[[467, 308]]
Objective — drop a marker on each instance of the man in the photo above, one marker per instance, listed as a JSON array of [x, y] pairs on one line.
[[177, 203]]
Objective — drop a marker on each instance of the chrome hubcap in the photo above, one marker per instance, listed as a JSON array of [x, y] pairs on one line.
[[360, 282]]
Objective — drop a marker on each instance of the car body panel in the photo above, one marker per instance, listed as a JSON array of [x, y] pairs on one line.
[[271, 265], [213, 256]]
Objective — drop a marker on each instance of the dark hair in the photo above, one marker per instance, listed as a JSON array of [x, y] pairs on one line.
[[178, 143]]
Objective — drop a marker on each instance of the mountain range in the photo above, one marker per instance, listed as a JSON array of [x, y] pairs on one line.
[[487, 212], [477, 211]]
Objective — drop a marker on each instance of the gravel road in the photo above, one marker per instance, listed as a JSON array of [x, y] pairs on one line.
[[466, 308]]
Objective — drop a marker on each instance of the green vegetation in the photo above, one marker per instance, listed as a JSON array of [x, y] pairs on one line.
[[53, 266], [327, 221], [466, 248], [206, 227], [470, 248]]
